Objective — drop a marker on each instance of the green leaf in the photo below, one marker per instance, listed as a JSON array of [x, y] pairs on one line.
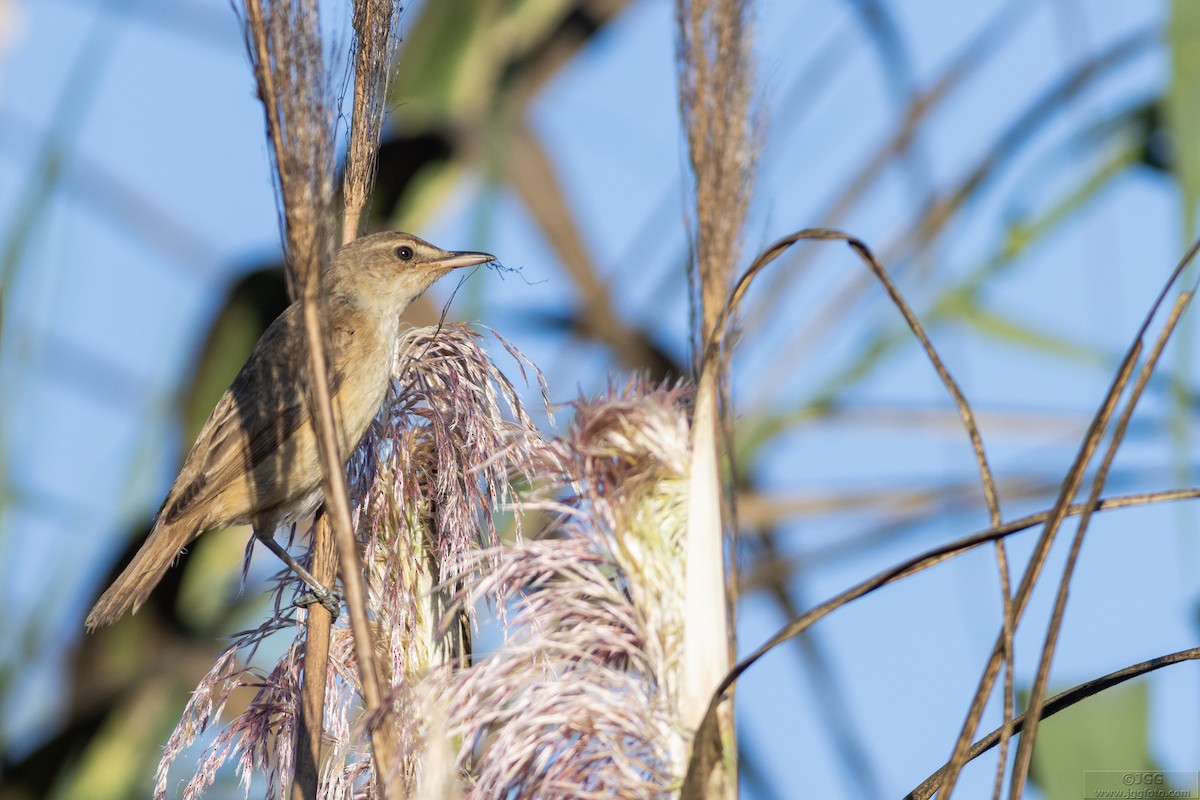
[[1027, 336], [452, 57], [1105, 732], [1183, 105]]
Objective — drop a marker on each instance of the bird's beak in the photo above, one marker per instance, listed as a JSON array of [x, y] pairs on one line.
[[464, 259]]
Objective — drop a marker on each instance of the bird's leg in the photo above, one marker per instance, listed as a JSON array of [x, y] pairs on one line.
[[324, 595]]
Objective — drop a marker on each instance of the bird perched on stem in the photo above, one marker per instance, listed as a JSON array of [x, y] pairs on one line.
[[255, 460]]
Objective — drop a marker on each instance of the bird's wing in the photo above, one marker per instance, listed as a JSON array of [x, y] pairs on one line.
[[265, 406]]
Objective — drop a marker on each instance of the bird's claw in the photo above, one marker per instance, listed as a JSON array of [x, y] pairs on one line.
[[325, 597]]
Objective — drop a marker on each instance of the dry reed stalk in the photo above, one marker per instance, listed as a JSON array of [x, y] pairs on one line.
[[287, 51], [374, 25], [714, 89], [374, 51]]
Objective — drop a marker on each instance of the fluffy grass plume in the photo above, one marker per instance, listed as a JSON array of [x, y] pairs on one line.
[[581, 698]]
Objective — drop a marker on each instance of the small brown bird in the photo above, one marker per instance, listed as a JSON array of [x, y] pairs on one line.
[[255, 460]]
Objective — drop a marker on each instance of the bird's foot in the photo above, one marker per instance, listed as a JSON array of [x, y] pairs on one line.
[[319, 592], [323, 595]]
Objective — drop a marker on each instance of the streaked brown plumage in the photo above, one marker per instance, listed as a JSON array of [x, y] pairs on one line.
[[255, 460]]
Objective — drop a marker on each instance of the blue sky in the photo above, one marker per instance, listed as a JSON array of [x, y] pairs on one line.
[[165, 196]]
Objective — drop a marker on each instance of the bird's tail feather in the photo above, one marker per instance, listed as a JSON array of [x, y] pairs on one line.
[[136, 581]]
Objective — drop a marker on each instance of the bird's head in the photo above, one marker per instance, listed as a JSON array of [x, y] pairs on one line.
[[391, 269]]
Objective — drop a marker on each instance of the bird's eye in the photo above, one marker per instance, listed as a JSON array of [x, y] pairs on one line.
[[404, 253]]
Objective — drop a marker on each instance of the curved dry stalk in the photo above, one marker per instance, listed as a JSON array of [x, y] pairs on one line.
[[1052, 706], [707, 746], [712, 354], [716, 340], [967, 415], [1070, 486]]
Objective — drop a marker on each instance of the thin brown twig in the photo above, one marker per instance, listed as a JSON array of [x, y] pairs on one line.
[[1009, 623], [337, 506]]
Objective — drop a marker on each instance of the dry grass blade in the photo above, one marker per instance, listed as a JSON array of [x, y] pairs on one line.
[[1025, 749], [1055, 704], [1070, 486], [708, 746]]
